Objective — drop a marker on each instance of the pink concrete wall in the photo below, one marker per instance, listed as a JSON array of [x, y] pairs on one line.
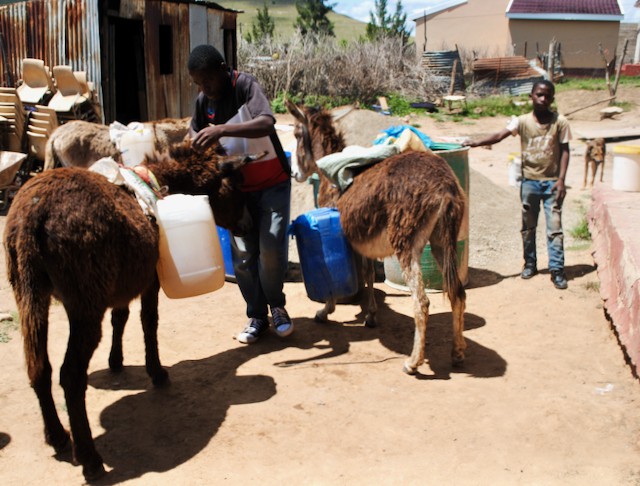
[[616, 251]]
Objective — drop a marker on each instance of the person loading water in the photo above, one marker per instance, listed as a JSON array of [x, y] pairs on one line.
[[232, 109]]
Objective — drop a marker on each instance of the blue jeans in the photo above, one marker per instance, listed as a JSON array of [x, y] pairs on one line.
[[260, 258], [532, 193]]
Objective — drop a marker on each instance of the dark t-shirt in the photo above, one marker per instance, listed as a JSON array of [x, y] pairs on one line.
[[244, 89]]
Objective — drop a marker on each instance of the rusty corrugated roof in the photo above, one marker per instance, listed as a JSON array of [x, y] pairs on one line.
[[503, 68], [579, 7]]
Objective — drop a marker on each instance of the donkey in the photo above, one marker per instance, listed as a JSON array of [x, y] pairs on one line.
[[73, 235], [393, 207], [79, 143]]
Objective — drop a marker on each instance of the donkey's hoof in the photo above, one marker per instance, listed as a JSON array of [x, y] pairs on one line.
[[115, 364], [409, 370], [321, 316], [92, 472], [161, 378], [458, 361], [371, 321], [60, 444]]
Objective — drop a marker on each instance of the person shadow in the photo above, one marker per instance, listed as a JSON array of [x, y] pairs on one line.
[[158, 429]]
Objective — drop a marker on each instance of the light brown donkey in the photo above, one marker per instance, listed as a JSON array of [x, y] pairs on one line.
[[80, 143], [394, 207]]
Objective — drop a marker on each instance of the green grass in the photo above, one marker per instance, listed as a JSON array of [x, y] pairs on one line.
[[8, 327], [284, 14], [592, 286], [581, 230], [595, 84]]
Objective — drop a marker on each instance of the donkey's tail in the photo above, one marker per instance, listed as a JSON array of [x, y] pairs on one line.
[[32, 291], [51, 159], [451, 220]]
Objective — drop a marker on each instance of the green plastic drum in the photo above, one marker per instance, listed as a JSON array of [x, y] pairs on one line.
[[458, 160]]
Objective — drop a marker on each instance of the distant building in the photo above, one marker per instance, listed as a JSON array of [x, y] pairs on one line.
[[494, 28]]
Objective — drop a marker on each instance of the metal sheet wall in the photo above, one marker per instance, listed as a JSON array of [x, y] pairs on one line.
[[56, 31], [68, 32]]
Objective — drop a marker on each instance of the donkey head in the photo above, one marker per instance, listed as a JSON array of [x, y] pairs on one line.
[[186, 171], [316, 137], [304, 163]]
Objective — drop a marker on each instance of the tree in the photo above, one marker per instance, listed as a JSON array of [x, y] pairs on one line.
[[263, 27], [312, 17], [384, 25]]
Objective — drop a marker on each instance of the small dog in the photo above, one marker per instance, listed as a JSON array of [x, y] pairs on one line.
[[594, 156]]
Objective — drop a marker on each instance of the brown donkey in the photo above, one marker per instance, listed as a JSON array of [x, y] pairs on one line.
[[72, 235], [394, 207]]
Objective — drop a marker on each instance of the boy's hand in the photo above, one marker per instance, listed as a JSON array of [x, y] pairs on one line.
[[469, 143], [206, 137], [560, 190]]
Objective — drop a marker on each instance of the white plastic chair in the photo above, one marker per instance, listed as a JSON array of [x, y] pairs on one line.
[[36, 81]]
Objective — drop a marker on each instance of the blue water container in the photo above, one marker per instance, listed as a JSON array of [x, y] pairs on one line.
[[326, 258], [225, 244]]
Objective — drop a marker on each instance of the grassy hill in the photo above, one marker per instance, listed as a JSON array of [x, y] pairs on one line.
[[284, 13]]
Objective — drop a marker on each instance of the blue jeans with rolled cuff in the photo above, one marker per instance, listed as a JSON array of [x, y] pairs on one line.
[[532, 193], [260, 257]]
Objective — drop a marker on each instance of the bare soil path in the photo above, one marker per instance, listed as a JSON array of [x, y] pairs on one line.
[[545, 396]]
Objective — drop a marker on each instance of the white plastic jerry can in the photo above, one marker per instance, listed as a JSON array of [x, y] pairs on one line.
[[135, 145], [191, 261]]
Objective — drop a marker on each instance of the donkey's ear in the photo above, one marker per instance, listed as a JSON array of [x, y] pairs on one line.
[[295, 110]]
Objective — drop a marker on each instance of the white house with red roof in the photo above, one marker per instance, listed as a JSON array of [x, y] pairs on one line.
[[496, 28]]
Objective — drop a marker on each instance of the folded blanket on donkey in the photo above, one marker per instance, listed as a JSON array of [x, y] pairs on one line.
[[342, 167]]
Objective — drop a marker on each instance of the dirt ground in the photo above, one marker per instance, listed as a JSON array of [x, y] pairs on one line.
[[545, 396]]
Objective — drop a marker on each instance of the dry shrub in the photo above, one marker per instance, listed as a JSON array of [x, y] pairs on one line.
[[359, 71]]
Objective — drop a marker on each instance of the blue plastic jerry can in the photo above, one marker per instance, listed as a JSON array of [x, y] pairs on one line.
[[326, 258], [225, 243]]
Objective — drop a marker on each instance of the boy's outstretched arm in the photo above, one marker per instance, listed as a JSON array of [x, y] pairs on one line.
[[559, 186], [489, 140]]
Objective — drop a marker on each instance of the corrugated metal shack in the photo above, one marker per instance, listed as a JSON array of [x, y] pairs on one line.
[[507, 75], [440, 64], [134, 51]]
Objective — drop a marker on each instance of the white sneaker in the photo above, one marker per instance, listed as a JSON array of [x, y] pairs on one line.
[[252, 332], [281, 321]]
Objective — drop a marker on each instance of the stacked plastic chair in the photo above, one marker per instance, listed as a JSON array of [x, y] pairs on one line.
[[43, 120], [37, 86], [73, 98], [13, 114]]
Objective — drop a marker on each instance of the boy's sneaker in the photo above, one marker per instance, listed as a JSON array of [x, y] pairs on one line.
[[558, 279], [528, 271], [252, 332], [281, 321]]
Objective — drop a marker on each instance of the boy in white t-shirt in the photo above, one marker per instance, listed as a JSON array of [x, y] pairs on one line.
[[544, 140]]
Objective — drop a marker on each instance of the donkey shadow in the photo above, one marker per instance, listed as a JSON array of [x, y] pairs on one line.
[[159, 429], [395, 331]]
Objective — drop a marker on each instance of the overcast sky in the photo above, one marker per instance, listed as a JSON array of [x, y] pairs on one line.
[[359, 9]]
